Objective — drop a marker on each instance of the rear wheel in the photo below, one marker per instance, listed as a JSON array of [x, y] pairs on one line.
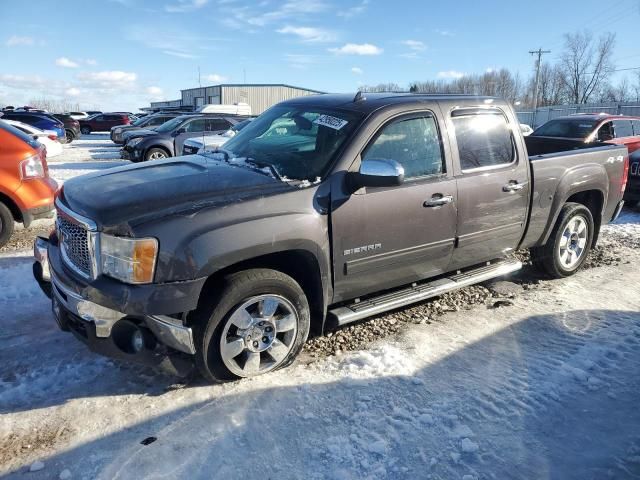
[[70, 136], [85, 130], [6, 224], [155, 154], [569, 243], [257, 323]]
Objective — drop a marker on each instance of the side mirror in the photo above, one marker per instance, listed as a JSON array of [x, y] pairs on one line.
[[179, 132], [378, 173]]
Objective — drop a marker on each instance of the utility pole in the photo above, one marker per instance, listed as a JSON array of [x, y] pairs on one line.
[[539, 53]]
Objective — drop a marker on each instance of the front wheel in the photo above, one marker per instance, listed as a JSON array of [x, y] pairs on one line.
[[569, 243], [70, 136], [6, 224], [155, 154], [85, 130], [257, 323]]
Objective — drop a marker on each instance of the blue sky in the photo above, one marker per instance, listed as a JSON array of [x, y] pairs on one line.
[[120, 54]]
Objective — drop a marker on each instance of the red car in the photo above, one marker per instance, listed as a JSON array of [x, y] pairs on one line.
[[103, 122], [618, 129]]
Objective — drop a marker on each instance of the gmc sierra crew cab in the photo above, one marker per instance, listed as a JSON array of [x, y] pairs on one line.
[[324, 210]]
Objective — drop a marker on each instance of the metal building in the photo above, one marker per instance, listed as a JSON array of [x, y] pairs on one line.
[[259, 96]]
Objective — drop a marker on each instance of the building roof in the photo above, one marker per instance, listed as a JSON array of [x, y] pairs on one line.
[[253, 85]]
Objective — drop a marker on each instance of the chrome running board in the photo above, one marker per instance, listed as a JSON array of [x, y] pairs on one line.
[[418, 292]]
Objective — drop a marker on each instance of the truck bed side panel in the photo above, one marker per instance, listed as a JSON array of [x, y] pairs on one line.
[[558, 176]]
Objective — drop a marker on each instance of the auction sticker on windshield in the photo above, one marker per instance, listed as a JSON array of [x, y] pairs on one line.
[[331, 122]]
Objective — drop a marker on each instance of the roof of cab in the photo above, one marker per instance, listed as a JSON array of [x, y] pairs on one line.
[[373, 101]]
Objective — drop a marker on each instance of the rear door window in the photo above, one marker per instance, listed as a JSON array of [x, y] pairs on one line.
[[217, 124], [636, 127], [197, 125], [484, 140], [622, 128]]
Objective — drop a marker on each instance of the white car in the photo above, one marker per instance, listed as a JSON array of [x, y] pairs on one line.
[[79, 115], [211, 142], [526, 129], [47, 138]]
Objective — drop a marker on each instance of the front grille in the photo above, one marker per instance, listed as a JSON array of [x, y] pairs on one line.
[[75, 244]]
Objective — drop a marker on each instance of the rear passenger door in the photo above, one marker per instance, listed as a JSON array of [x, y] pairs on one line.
[[391, 236], [493, 184]]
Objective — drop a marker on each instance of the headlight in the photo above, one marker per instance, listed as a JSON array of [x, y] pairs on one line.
[[134, 142], [131, 260], [117, 130]]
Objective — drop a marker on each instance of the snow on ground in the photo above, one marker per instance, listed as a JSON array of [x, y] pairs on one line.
[[545, 388]]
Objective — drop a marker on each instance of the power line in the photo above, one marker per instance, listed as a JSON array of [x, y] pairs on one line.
[[539, 53]]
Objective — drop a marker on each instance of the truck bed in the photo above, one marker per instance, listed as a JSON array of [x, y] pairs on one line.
[[558, 166]]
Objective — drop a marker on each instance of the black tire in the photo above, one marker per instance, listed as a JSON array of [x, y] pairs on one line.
[[85, 130], [6, 224], [547, 258], [70, 136], [149, 154], [214, 313]]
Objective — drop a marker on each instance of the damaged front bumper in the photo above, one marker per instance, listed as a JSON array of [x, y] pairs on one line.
[[151, 339]]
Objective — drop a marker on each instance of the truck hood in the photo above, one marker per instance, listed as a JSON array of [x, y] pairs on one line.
[[136, 193], [140, 132]]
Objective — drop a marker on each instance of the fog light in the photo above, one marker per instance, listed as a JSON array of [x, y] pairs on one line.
[[137, 340]]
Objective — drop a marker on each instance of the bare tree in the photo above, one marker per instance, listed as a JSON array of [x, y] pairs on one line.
[[585, 64], [382, 87]]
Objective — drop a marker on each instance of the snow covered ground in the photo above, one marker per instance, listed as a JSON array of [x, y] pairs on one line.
[[548, 387]]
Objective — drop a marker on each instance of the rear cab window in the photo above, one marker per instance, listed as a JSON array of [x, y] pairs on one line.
[[484, 138], [622, 128]]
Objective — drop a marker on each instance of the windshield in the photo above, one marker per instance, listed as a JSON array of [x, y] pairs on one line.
[[170, 125], [299, 143], [567, 128]]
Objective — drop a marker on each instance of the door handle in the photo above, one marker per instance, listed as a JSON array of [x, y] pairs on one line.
[[437, 200], [513, 186]]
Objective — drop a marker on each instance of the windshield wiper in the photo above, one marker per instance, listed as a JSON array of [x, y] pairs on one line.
[[260, 165]]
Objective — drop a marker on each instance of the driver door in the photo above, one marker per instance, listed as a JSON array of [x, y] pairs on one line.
[[390, 236]]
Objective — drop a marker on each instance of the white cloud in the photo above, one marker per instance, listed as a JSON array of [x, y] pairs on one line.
[[353, 11], [66, 62], [185, 6], [214, 77], [445, 33], [357, 70], [239, 17], [73, 92], [175, 53], [415, 45], [154, 91], [450, 74], [357, 49], [111, 79], [309, 34], [16, 40], [90, 61]]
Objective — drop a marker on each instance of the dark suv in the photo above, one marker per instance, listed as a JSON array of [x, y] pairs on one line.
[[168, 139], [71, 126], [103, 122], [147, 122]]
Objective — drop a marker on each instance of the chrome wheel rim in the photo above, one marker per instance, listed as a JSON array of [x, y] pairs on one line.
[[157, 155], [573, 242], [258, 335]]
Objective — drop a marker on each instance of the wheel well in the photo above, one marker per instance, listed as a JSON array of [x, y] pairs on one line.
[[300, 265], [593, 200], [13, 208]]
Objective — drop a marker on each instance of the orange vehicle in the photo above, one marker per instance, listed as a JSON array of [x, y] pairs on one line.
[[26, 190]]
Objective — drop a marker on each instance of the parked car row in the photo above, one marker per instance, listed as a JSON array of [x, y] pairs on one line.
[[26, 190], [43, 121], [163, 134]]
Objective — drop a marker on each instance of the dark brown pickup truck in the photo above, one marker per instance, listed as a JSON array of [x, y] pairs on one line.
[[324, 210]]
